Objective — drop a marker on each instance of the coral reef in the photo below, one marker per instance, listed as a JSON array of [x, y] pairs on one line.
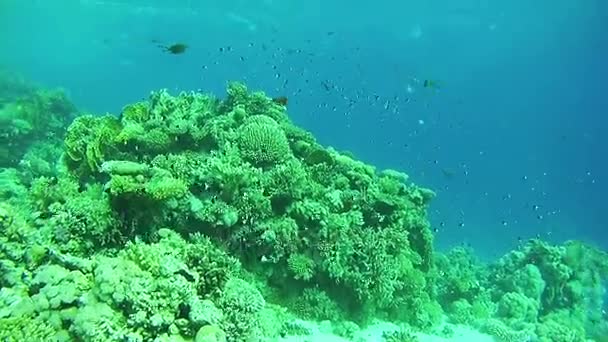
[[191, 217], [549, 292], [29, 115]]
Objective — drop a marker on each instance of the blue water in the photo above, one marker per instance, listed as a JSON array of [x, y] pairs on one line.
[[513, 139]]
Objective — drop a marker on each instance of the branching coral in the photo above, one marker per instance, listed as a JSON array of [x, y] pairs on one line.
[[301, 266], [241, 303], [315, 304]]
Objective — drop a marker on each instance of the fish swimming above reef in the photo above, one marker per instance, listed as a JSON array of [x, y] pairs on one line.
[[282, 100], [432, 84], [175, 49]]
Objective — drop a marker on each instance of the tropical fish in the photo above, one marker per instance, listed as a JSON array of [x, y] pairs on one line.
[[432, 84], [282, 100], [175, 49]]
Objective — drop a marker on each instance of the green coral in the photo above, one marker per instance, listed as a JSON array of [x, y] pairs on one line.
[[166, 122], [89, 141], [212, 265], [58, 287], [98, 322], [30, 116], [302, 266], [560, 326], [502, 333], [550, 279], [245, 188], [461, 312], [136, 112], [153, 282], [210, 333], [23, 328], [163, 186], [137, 179], [242, 303], [516, 306], [86, 222], [461, 275], [262, 142], [315, 304]]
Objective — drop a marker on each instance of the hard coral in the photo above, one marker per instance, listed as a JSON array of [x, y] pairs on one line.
[[34, 116], [242, 303], [262, 142], [89, 142], [225, 169]]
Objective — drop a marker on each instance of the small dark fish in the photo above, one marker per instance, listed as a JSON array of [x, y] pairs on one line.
[[282, 100], [326, 85], [175, 49], [447, 173], [432, 84]]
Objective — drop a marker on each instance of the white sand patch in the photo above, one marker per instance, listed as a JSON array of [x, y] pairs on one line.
[[373, 333]]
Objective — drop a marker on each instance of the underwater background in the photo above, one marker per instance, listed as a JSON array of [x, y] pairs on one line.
[[513, 140], [499, 108]]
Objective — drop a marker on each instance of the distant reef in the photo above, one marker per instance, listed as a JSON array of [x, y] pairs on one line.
[[198, 218]]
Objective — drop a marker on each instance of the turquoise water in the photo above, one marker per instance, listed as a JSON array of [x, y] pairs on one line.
[[497, 108]]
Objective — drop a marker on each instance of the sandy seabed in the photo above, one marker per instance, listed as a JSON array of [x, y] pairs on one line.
[[374, 332]]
